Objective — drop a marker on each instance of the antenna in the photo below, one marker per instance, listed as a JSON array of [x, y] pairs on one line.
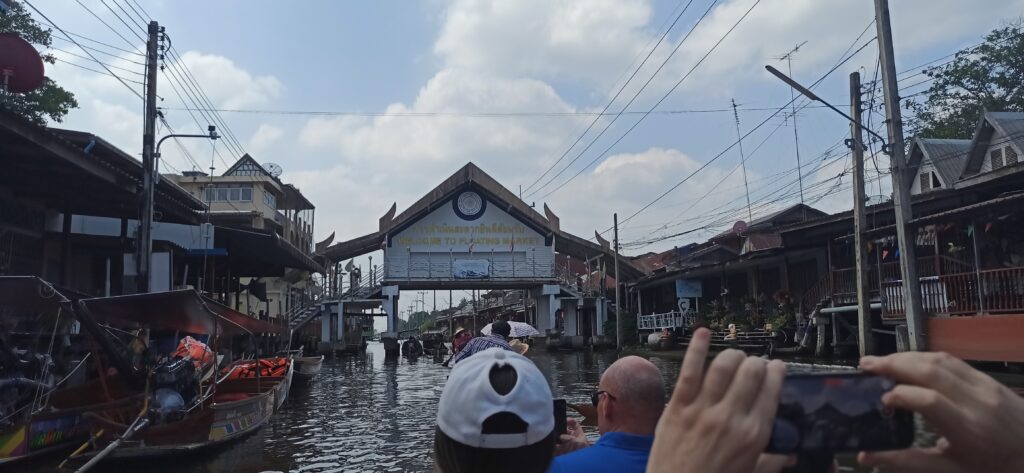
[[788, 57], [274, 169], [743, 159]]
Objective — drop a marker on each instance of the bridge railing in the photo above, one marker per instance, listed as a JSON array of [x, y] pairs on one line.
[[670, 320]]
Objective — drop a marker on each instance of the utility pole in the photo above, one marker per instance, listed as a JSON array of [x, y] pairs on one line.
[[144, 237], [900, 190], [865, 335], [743, 159], [618, 310]]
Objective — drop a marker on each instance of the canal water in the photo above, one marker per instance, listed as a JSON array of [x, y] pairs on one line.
[[368, 414]]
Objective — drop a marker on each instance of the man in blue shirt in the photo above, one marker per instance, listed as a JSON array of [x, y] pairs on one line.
[[629, 401]]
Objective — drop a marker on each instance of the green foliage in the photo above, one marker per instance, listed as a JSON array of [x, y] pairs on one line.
[[50, 100], [986, 77], [629, 332], [417, 320]]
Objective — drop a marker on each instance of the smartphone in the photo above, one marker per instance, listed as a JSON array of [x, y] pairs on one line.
[[838, 412], [560, 416]]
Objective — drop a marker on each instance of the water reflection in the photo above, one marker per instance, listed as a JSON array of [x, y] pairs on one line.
[[371, 413]]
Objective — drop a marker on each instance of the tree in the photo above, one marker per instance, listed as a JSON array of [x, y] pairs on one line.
[[49, 100], [986, 77]]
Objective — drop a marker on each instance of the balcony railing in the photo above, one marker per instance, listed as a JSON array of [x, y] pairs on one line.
[[987, 291]]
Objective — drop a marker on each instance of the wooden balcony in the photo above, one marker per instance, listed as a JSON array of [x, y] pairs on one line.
[[990, 291]]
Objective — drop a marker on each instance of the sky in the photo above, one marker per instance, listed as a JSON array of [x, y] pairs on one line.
[[408, 92]]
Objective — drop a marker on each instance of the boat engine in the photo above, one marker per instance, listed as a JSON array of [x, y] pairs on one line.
[[175, 387]]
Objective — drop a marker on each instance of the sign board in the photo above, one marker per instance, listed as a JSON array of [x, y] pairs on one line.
[[468, 225], [688, 288], [471, 269]]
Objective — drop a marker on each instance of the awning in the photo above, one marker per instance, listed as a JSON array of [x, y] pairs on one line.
[[32, 294], [254, 254], [182, 310], [254, 326]]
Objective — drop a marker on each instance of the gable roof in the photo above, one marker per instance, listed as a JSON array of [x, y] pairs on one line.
[[471, 175], [1009, 125], [947, 156], [246, 159]]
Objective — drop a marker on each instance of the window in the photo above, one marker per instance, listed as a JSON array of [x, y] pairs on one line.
[[270, 200], [935, 181], [1011, 156], [228, 193], [997, 158], [926, 181]]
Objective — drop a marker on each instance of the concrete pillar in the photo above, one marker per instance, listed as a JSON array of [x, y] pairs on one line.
[[325, 326], [341, 322], [390, 338], [571, 316], [600, 315]]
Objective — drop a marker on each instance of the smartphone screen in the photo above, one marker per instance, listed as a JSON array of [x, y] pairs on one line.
[[838, 412], [560, 416]]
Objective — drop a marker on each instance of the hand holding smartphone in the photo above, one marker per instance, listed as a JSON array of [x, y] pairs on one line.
[[838, 412]]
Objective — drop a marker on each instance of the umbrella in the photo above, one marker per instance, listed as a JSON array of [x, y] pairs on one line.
[[519, 330]]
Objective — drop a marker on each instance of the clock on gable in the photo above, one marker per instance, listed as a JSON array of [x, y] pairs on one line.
[[469, 205]]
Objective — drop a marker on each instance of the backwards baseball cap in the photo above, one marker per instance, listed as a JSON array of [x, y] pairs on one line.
[[479, 409]]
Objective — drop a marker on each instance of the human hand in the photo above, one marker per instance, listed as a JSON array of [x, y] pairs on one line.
[[719, 421], [574, 438], [981, 421]]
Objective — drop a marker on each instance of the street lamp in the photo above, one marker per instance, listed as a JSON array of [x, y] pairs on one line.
[[211, 135], [811, 95]]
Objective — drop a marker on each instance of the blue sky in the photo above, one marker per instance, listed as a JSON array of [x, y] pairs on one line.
[[469, 57]]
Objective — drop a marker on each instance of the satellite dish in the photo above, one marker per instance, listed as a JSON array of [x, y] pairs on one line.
[[739, 227], [274, 169], [21, 68]]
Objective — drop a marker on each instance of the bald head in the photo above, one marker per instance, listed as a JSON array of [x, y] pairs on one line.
[[639, 392]]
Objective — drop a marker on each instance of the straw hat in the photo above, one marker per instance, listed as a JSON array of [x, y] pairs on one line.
[[519, 346]]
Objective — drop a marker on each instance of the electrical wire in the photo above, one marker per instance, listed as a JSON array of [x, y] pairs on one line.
[[123, 81], [615, 97], [631, 100], [656, 104]]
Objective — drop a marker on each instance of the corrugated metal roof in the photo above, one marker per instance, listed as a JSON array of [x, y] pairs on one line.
[[947, 156]]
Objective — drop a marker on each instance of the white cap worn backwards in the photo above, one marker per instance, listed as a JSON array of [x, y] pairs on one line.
[[470, 403]]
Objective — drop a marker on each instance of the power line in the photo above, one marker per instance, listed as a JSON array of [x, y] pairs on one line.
[[206, 99], [108, 45], [615, 97], [79, 56], [631, 100], [527, 114], [97, 50], [122, 20], [122, 81], [766, 120], [111, 28], [662, 99]]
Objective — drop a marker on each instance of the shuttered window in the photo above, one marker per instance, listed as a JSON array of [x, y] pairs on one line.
[[1011, 156], [996, 156], [926, 181]]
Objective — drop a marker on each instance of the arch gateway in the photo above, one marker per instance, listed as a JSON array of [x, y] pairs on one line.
[[469, 232]]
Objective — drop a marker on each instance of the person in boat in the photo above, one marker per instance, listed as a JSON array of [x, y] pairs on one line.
[[494, 416], [629, 402], [412, 347], [460, 339], [498, 338]]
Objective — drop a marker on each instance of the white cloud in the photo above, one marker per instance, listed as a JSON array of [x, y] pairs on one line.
[[592, 40], [229, 86], [264, 137]]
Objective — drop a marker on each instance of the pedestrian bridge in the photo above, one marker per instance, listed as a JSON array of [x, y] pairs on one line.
[[470, 232]]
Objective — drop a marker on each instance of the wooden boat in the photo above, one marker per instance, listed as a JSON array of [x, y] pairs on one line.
[[239, 407], [308, 367]]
